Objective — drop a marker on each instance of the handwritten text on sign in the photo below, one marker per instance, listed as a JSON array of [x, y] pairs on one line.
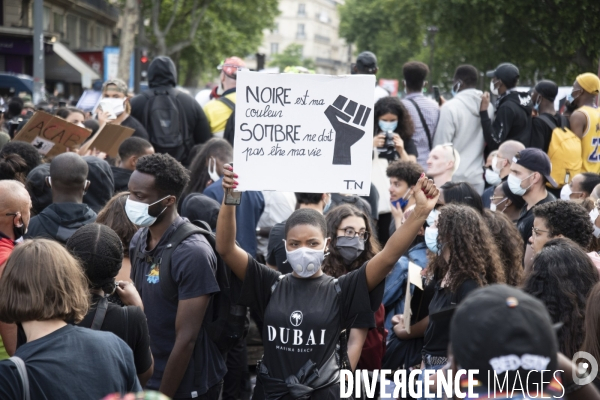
[[304, 133]]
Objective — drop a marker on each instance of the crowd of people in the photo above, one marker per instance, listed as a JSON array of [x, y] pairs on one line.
[[136, 274]]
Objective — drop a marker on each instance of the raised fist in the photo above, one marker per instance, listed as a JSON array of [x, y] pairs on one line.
[[346, 133]]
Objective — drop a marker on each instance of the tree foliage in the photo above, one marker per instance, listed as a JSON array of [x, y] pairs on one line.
[[546, 39], [291, 57], [198, 34]]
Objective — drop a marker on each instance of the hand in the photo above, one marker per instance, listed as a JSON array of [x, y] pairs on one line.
[[129, 294], [95, 153], [347, 132], [229, 177], [397, 215], [485, 101], [426, 196], [398, 143], [397, 319], [379, 140], [103, 117]]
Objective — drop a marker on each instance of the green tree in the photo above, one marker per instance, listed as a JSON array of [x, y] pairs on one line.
[[198, 34], [291, 57], [546, 39]]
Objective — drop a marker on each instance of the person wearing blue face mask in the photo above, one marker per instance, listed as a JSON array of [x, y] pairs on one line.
[[460, 124], [403, 176], [393, 141], [305, 312]]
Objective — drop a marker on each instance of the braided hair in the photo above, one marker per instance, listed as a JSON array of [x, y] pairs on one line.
[[100, 252]]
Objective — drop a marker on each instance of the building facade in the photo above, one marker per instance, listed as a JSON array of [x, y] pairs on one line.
[[70, 27], [313, 24]]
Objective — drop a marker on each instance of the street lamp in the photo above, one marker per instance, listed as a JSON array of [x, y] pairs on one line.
[[431, 30]]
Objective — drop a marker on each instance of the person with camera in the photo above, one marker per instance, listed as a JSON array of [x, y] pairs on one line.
[[392, 141]]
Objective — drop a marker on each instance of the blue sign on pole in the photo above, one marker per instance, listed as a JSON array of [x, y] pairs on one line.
[[111, 64]]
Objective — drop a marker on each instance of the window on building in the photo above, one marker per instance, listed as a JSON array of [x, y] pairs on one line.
[[72, 31], [99, 36], [47, 13], [300, 34], [275, 28], [58, 20], [301, 9], [84, 42], [274, 48]]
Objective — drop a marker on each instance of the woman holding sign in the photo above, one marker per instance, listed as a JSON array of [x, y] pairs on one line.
[[304, 312]]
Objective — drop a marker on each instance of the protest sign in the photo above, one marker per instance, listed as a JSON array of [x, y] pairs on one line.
[[108, 139], [52, 135], [304, 133], [413, 278]]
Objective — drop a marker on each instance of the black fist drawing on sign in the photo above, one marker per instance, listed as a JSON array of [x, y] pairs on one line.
[[346, 132]]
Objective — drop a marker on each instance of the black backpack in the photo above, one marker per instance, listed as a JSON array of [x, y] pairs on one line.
[[166, 123], [229, 132], [225, 322]]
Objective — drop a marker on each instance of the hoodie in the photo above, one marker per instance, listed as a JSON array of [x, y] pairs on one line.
[[512, 122], [162, 74], [460, 124], [59, 221], [102, 183]]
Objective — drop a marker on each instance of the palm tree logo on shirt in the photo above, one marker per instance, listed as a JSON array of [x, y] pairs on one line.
[[296, 318]]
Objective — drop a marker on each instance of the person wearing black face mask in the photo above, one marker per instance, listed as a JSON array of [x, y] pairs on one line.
[[352, 244], [15, 204]]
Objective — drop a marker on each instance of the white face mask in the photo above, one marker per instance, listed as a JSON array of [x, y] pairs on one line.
[[137, 212], [514, 184], [212, 169], [565, 193], [432, 217], [593, 217], [492, 177], [493, 88], [304, 261], [494, 207], [113, 106]]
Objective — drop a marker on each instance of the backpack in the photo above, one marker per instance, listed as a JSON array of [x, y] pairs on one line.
[[224, 322], [165, 121], [373, 349], [229, 132], [564, 151]]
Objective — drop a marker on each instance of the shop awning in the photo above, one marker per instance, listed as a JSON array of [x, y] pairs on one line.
[[64, 65]]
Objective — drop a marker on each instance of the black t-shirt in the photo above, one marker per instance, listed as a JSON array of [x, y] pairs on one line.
[[128, 323], [302, 318], [437, 334], [121, 177], [193, 265], [139, 130], [71, 363], [276, 255], [525, 221]]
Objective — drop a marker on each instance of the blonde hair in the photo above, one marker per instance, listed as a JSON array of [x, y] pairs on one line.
[[42, 281]]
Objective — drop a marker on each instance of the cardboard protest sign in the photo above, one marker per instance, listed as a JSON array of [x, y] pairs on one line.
[[52, 135], [304, 133], [108, 139], [413, 278]]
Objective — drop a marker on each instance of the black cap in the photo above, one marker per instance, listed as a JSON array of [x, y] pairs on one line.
[[502, 329], [366, 62], [537, 161], [508, 73], [547, 89]]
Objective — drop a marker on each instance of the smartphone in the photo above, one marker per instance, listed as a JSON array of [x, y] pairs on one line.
[[436, 94], [232, 198]]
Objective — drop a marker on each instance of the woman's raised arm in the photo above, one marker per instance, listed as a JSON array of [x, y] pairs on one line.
[[230, 252]]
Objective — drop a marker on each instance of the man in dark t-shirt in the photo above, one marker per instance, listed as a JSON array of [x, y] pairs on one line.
[[276, 256], [529, 173], [542, 98], [129, 152], [174, 326]]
